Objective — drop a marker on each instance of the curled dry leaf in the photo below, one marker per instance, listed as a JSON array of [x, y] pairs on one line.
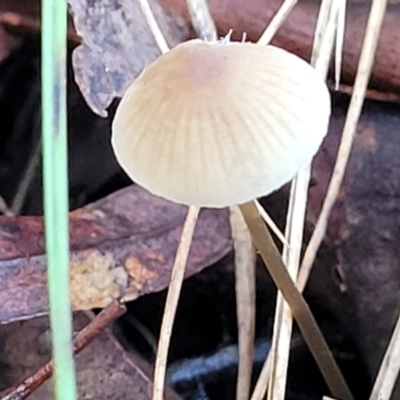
[[124, 243], [117, 44]]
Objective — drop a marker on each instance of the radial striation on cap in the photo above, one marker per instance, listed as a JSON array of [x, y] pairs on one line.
[[212, 124]]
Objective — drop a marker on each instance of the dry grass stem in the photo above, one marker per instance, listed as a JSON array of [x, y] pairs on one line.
[[279, 355], [325, 40], [291, 258], [389, 370], [340, 30], [201, 20], [178, 272], [245, 259], [322, 22], [363, 73], [277, 21], [263, 380], [153, 25], [271, 224]]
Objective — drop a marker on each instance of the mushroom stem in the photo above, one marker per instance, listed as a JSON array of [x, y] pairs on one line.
[[245, 285], [312, 335], [178, 272]]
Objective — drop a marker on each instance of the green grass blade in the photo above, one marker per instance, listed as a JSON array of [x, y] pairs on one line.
[[55, 175]]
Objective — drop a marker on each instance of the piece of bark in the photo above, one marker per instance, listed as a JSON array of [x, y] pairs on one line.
[[297, 32], [104, 370], [122, 244]]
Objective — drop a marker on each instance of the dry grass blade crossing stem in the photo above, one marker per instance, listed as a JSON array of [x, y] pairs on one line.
[[389, 370], [271, 224], [178, 272], [201, 19], [363, 73], [301, 312], [153, 25], [277, 21], [245, 258], [81, 340]]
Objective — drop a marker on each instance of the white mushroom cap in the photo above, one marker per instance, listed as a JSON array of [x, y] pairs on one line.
[[213, 124]]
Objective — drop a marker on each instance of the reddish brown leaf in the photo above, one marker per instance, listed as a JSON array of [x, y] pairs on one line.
[[125, 243]]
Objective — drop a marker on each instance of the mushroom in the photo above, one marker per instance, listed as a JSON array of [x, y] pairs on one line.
[[215, 124]]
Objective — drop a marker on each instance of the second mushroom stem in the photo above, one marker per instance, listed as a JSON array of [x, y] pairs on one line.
[[312, 335], [178, 273]]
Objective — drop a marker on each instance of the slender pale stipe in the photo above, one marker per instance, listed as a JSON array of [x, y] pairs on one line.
[[174, 290]]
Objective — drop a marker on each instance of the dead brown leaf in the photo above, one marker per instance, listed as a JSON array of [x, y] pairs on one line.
[[122, 244], [104, 369]]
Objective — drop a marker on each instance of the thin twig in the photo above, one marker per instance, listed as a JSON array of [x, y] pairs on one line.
[[245, 260], [178, 272], [81, 340], [389, 370], [363, 73], [153, 25], [276, 22], [301, 312], [201, 20]]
